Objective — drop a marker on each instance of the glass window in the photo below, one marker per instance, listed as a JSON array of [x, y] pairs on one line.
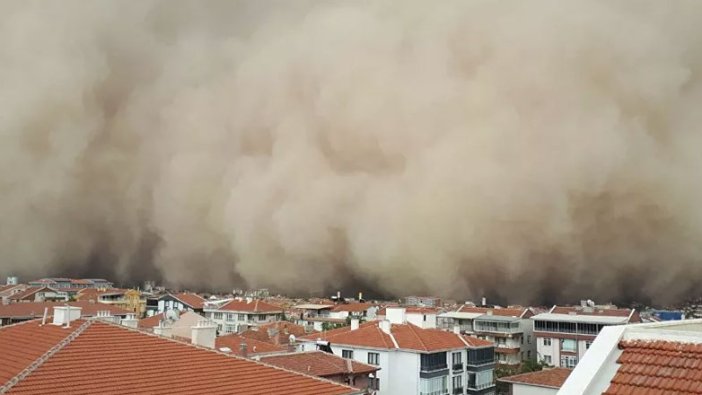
[[569, 345], [242, 317], [433, 386], [347, 354], [457, 358], [373, 358], [547, 359], [547, 341], [457, 382], [435, 361]]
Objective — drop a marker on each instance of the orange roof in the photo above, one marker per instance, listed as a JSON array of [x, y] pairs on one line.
[[504, 312], [36, 309], [595, 311], [406, 336], [284, 328], [29, 292], [319, 363], [193, 300], [93, 293], [253, 346], [111, 359], [352, 307], [22, 343], [552, 378], [255, 306], [658, 367], [421, 310], [150, 322]]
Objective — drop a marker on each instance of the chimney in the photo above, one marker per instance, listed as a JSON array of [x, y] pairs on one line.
[[338, 295], [243, 351], [204, 333], [63, 315], [360, 296], [385, 326], [163, 329], [46, 314], [249, 300], [130, 321], [484, 301], [457, 329], [354, 324], [292, 344]]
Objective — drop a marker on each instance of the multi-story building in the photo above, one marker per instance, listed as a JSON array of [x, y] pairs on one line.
[[564, 334], [58, 282], [238, 315], [509, 328], [422, 301], [412, 360], [179, 301]]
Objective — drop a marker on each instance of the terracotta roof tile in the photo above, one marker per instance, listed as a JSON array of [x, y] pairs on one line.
[[193, 300], [109, 359], [553, 378], [407, 336], [36, 309], [283, 328], [658, 367], [29, 293], [150, 322], [319, 363], [254, 306], [253, 346], [504, 312]]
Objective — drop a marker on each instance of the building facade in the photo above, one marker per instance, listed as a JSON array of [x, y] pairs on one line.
[[238, 315], [564, 334]]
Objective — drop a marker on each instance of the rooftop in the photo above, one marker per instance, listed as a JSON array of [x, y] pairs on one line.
[[193, 300], [318, 363], [352, 307], [253, 346], [551, 378], [36, 309], [402, 336], [250, 306], [128, 361]]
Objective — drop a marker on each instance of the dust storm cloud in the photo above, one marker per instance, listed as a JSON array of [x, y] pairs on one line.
[[532, 151]]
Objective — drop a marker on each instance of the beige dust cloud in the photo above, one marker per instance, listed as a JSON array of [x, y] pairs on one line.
[[531, 151]]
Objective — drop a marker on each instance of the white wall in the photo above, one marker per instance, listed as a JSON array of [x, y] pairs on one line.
[[519, 389], [404, 374], [553, 350], [419, 320]]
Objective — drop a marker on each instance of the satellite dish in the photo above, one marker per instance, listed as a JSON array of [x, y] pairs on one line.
[[172, 314]]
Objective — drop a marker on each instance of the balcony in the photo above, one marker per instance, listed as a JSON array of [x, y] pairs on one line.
[[457, 366], [432, 368], [458, 390]]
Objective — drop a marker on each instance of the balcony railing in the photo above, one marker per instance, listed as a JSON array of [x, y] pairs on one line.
[[458, 390], [458, 366], [433, 368]]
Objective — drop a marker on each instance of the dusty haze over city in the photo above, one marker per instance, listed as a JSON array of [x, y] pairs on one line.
[[533, 151]]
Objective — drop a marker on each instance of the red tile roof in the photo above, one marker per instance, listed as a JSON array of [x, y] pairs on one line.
[[29, 293], [284, 330], [193, 300], [552, 378], [352, 307], [7, 289], [253, 346], [504, 312], [595, 311], [407, 336], [36, 309], [319, 363], [150, 322], [110, 359], [93, 293], [22, 343], [254, 306], [421, 310], [658, 367]]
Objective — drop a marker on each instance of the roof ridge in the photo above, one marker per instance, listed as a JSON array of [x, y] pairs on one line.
[[44, 357], [414, 332]]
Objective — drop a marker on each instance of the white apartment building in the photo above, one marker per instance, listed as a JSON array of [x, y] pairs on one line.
[[509, 328], [237, 315], [564, 334], [412, 360], [423, 317]]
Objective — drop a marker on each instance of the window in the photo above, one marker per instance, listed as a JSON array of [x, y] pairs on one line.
[[457, 358], [569, 345], [528, 354], [347, 354], [457, 383], [218, 316], [374, 383], [569, 361], [547, 359], [547, 341], [242, 317], [373, 358], [521, 339], [433, 386], [528, 339], [431, 362], [481, 356], [587, 345], [230, 317]]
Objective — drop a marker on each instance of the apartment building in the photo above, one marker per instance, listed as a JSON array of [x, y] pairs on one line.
[[238, 315], [58, 282], [509, 328], [421, 301], [412, 360], [179, 301], [564, 334]]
